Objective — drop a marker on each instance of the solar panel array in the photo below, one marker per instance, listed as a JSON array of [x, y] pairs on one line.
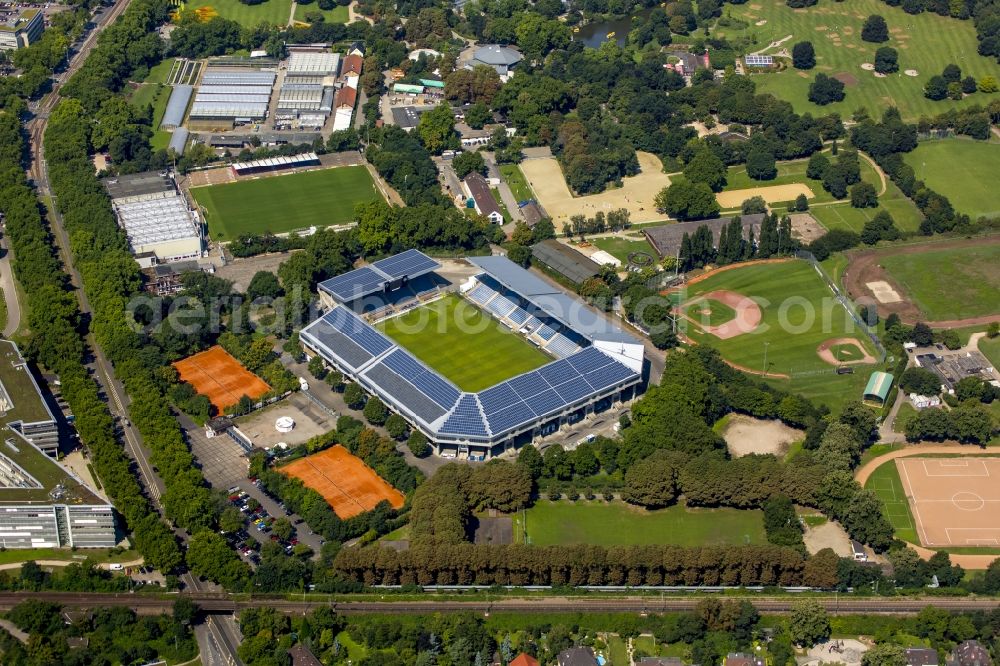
[[466, 419], [353, 340], [413, 388], [429, 382], [369, 279], [550, 389], [411, 262]]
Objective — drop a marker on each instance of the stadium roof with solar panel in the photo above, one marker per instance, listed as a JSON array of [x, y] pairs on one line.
[[594, 362]]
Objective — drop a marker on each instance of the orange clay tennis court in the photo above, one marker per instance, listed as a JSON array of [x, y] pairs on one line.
[[344, 480], [220, 377], [955, 501]]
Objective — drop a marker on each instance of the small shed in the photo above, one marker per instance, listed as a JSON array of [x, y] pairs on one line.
[[878, 387]]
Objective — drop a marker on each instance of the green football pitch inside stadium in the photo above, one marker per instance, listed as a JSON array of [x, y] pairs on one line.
[[463, 343], [277, 204], [620, 524]]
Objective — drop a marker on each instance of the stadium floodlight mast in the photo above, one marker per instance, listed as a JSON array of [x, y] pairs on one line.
[[765, 357]]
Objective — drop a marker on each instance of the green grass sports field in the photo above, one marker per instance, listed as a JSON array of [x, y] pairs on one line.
[[463, 343], [794, 172], [275, 12], [285, 203], [955, 283], [955, 168], [926, 43], [798, 313], [619, 524], [887, 485]]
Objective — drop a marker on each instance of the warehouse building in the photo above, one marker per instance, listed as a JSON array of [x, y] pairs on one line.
[[228, 97], [305, 63], [306, 98], [156, 218], [42, 505], [23, 31]]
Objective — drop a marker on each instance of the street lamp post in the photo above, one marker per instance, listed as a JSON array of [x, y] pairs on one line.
[[765, 357]]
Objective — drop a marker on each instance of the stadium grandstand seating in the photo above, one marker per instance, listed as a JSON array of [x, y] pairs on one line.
[[590, 369], [560, 346]]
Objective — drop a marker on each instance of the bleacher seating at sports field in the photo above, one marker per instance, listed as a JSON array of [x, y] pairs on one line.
[[560, 346]]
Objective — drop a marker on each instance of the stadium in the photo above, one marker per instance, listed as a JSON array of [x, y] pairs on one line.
[[529, 360]]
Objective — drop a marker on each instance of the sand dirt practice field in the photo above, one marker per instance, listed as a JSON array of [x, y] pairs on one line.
[[344, 481], [933, 268], [220, 377], [828, 535], [883, 292], [745, 435], [636, 194], [844, 351], [805, 228], [747, 314], [771, 193], [955, 501]]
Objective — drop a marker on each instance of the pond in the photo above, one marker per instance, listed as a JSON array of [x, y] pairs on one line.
[[595, 33]]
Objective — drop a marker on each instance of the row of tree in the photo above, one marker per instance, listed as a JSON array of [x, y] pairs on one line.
[[58, 345], [467, 564]]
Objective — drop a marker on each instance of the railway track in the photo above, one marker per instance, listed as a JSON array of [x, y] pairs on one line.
[[222, 603]]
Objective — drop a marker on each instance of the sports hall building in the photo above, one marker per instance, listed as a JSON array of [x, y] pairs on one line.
[[595, 364]]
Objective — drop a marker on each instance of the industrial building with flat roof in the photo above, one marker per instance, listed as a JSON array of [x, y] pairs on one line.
[[231, 95], [23, 31], [156, 218], [595, 363], [42, 505], [302, 63]]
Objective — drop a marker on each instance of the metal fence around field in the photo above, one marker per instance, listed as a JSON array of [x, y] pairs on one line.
[[845, 300]]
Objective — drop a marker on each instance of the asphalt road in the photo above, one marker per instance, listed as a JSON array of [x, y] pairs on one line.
[[227, 604]]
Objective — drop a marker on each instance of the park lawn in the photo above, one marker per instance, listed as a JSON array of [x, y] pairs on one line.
[[955, 283], [991, 349], [283, 203], [844, 216], [620, 247], [338, 14], [832, 390], [620, 524], [159, 72], [718, 313], [926, 42], [275, 12], [887, 485], [956, 168], [515, 180], [792, 172], [449, 333]]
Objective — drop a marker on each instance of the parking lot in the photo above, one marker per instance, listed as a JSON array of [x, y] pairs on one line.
[[224, 465]]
